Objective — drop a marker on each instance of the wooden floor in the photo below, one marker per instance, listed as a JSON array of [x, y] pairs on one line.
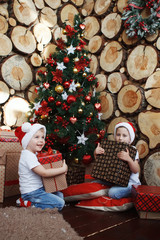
[[99, 225]]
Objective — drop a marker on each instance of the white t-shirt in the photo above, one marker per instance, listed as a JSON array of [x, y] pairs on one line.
[[134, 177], [28, 180]]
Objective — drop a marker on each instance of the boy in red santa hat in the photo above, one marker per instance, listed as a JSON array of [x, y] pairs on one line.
[[32, 139], [123, 132]]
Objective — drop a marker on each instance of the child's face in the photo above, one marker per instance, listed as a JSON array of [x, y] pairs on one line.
[[122, 135], [37, 142]]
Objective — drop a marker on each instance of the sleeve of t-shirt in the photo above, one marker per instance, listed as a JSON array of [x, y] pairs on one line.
[[32, 161]]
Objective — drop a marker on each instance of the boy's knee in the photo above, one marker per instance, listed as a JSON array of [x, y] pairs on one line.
[[112, 193]]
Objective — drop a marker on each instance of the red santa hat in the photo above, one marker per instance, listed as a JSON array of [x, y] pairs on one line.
[[129, 127], [26, 132]]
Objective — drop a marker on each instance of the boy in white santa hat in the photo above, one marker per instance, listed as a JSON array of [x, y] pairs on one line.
[[32, 139], [123, 132]]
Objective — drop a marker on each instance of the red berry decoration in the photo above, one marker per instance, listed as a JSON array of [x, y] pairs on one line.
[[65, 59], [102, 132], [87, 159], [51, 99], [71, 99], [66, 84], [44, 103], [97, 106]]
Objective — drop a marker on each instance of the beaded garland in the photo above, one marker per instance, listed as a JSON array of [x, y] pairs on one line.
[[135, 24]]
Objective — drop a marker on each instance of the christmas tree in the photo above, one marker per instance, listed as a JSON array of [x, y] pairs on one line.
[[67, 103]]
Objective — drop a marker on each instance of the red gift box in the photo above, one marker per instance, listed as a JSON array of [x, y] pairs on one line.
[[57, 183], [147, 200]]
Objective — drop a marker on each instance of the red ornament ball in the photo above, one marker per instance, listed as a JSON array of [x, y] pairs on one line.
[[71, 99], [87, 159], [66, 84], [66, 59], [58, 103], [88, 98], [51, 99]]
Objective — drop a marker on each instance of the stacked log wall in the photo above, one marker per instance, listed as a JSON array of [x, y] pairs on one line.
[[128, 70]]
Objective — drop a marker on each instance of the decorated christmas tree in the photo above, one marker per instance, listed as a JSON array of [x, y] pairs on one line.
[[67, 103]]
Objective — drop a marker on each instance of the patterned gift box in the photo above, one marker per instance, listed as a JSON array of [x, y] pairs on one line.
[[109, 167], [75, 175], [10, 145], [146, 198], [57, 183]]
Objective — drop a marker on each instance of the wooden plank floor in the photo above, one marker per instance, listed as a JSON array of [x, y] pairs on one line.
[[99, 225]]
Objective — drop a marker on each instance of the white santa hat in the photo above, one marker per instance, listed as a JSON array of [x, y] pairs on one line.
[[26, 132], [129, 127]]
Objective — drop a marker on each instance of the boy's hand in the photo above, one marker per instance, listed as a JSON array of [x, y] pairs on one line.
[[99, 149], [124, 155]]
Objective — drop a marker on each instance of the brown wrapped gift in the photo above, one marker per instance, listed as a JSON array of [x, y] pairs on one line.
[[57, 183], [109, 167]]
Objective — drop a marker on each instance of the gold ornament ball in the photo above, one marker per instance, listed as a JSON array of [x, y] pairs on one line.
[[80, 110], [64, 31], [28, 114], [83, 104], [82, 35], [76, 59], [59, 89], [85, 54], [84, 74], [76, 160], [98, 135], [91, 114], [75, 70], [78, 85]]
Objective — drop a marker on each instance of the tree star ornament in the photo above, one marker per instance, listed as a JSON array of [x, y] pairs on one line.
[[64, 96], [71, 49], [72, 87], [61, 66], [82, 139], [37, 106]]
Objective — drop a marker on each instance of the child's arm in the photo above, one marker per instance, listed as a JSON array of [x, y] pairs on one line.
[[133, 165], [98, 150], [51, 172]]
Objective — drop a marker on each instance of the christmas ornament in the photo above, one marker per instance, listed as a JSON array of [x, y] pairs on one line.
[[73, 120], [75, 70], [37, 106], [66, 84], [79, 48], [82, 26], [135, 24], [44, 116], [82, 139], [64, 31], [87, 159], [65, 59], [71, 49], [72, 87], [46, 85], [90, 114], [88, 98], [28, 114], [97, 106], [80, 110], [58, 103], [84, 74], [61, 66], [83, 104], [64, 95], [102, 132], [76, 59], [82, 35], [76, 160], [44, 103], [59, 89], [78, 85], [71, 99], [51, 99]]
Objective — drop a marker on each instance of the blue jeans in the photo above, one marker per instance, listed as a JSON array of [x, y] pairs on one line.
[[116, 192], [41, 199]]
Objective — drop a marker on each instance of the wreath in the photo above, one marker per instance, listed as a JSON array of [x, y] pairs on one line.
[[135, 24]]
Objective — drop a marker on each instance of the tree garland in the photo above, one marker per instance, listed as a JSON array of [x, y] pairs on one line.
[[136, 26]]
